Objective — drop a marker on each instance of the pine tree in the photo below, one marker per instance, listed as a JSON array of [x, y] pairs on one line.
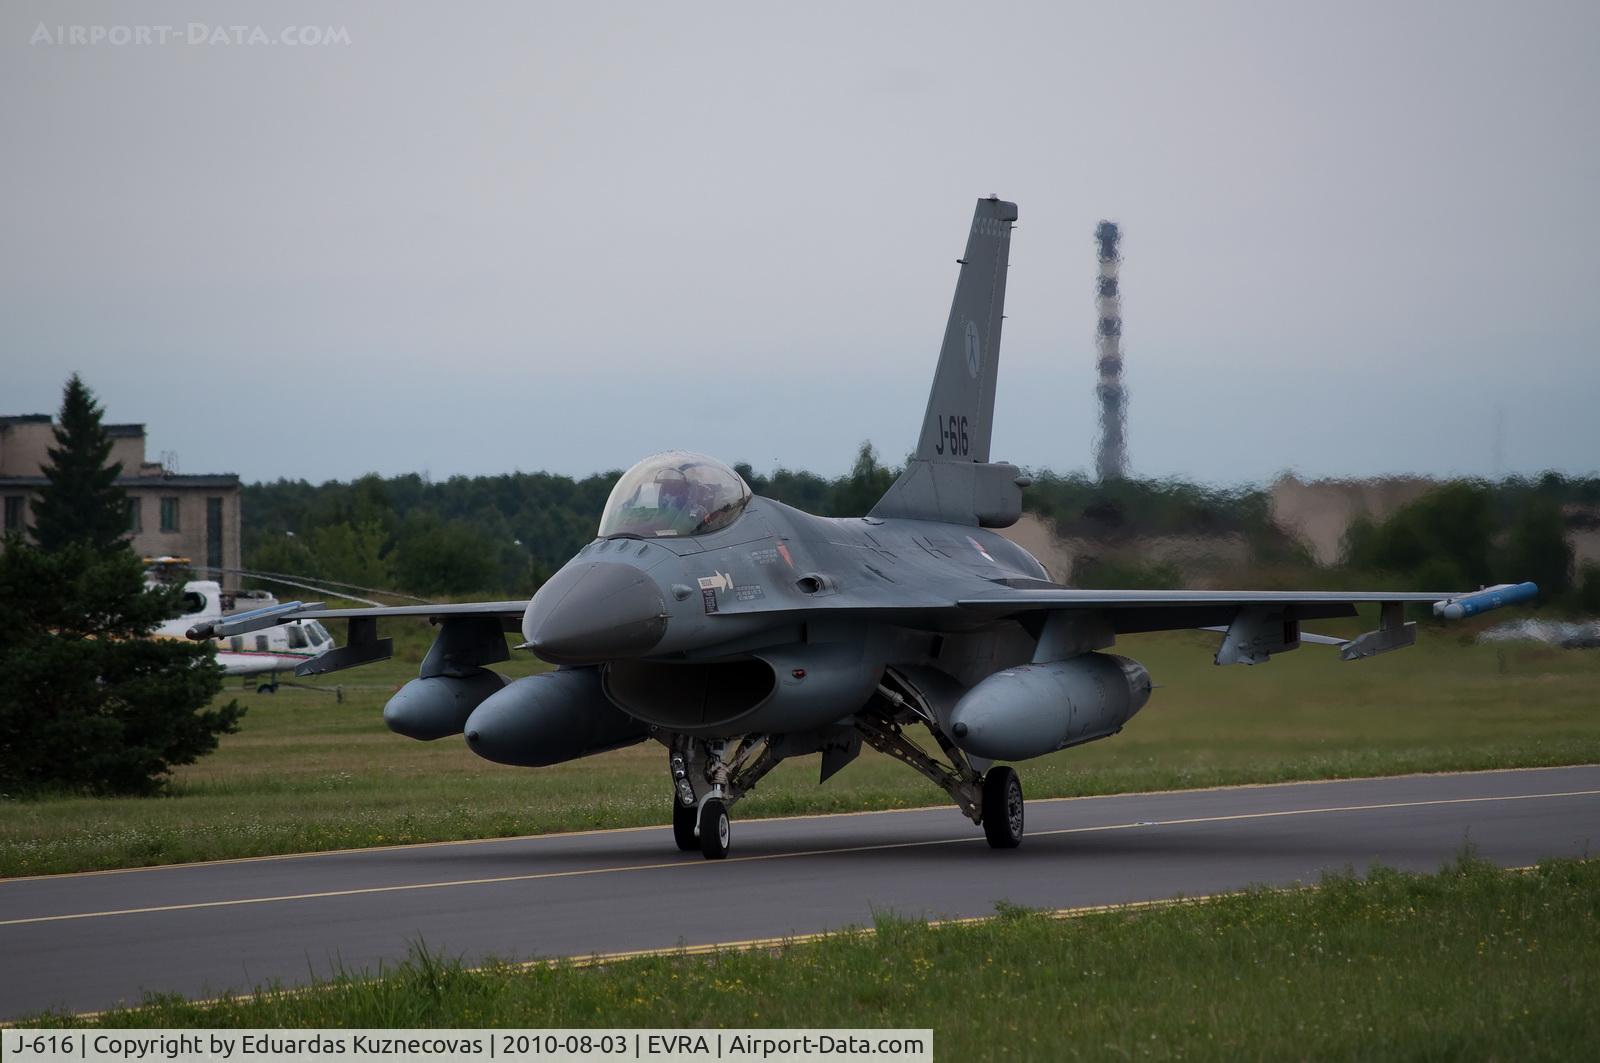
[[81, 502], [89, 703]]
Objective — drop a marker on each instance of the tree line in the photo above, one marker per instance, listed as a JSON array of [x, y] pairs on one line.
[[503, 535], [499, 535], [90, 704], [1471, 533]]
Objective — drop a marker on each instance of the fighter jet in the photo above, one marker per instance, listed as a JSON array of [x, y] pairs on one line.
[[739, 632]]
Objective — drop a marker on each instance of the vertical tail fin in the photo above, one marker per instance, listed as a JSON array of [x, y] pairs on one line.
[[959, 421], [950, 477]]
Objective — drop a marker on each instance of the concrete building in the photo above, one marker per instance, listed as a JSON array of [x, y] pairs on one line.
[[1319, 512], [1202, 560], [194, 516]]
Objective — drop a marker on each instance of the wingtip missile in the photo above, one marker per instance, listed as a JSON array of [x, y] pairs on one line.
[[254, 620], [1495, 597]]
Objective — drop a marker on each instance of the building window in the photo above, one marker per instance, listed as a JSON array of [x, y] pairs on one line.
[[169, 514], [214, 536], [136, 515], [14, 504]]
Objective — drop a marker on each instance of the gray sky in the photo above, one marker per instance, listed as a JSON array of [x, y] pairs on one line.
[[561, 236]]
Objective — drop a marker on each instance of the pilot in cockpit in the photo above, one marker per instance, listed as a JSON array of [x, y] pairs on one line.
[[674, 494], [679, 512]]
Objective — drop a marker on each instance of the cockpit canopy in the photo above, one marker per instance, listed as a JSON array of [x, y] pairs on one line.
[[676, 493]]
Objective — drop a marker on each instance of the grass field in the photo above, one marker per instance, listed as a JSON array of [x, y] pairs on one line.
[[306, 772], [1472, 963]]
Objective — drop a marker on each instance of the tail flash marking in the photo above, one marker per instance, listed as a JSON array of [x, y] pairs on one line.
[[959, 420]]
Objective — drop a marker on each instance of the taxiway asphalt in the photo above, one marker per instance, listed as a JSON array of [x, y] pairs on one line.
[[84, 942]]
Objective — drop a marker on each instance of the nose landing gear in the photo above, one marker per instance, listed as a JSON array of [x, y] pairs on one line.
[[685, 826], [706, 782], [716, 831]]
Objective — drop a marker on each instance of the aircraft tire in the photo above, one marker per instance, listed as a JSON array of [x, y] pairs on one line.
[[716, 830], [683, 823], [1002, 808], [267, 688]]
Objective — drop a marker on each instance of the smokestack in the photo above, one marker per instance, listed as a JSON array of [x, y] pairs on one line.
[[1111, 453]]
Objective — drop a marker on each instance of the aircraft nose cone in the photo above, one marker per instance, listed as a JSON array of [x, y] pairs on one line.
[[595, 612]]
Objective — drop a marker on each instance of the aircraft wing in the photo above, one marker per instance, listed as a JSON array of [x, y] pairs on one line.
[[1010, 599], [1255, 623], [478, 631], [273, 615], [1033, 597], [509, 610]]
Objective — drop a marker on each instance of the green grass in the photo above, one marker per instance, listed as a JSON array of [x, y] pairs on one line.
[[306, 772], [1472, 962]]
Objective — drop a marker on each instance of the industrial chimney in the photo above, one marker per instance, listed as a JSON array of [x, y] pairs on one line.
[[1111, 452]]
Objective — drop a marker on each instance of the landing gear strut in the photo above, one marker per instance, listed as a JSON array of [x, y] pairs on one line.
[[707, 779], [990, 796]]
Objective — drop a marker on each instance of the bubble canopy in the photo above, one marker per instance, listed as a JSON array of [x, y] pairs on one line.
[[676, 493]]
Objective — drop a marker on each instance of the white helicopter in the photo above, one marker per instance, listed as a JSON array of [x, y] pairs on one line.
[[264, 653]]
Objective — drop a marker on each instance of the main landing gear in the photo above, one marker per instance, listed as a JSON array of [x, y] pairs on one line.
[[1002, 808], [989, 795], [707, 780]]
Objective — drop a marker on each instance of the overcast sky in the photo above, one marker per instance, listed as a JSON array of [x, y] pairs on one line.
[[562, 236]]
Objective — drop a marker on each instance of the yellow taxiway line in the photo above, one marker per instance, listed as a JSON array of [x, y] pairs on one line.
[[600, 959]]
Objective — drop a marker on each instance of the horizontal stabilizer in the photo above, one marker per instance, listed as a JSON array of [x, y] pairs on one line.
[[1305, 636], [362, 646], [351, 656], [986, 495]]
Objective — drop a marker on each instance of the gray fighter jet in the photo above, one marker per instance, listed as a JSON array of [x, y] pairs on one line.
[[738, 631]]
